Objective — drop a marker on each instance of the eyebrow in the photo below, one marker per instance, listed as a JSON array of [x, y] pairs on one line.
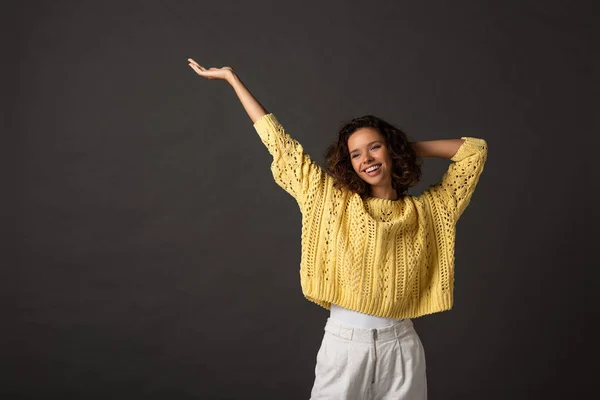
[[368, 144]]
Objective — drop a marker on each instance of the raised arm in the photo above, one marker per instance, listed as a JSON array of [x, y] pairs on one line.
[[292, 168], [455, 189]]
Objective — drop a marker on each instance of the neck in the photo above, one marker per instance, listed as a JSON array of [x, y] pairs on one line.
[[387, 193]]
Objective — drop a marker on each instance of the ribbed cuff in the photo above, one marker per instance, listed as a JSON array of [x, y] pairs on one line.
[[267, 120], [470, 146]]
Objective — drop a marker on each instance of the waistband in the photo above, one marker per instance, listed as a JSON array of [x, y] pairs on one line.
[[384, 334]]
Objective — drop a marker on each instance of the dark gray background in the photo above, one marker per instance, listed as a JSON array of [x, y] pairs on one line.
[[154, 256]]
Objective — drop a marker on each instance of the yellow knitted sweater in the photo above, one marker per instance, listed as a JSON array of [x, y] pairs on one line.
[[388, 258]]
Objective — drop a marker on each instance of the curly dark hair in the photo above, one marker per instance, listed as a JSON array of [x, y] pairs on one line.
[[406, 170]]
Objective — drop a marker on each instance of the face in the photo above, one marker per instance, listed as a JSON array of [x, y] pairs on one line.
[[368, 148]]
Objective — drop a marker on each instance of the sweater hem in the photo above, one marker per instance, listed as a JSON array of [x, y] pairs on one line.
[[378, 308]]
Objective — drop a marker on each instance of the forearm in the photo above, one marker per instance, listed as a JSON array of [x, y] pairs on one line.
[[445, 148], [254, 109]]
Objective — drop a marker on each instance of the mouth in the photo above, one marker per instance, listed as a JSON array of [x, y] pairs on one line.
[[373, 170]]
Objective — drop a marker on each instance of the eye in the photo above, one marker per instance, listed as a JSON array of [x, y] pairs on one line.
[[354, 156], [376, 146]]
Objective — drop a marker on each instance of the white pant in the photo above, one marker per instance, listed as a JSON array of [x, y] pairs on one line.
[[372, 364]]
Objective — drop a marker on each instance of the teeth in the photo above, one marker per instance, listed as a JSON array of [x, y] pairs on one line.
[[373, 168]]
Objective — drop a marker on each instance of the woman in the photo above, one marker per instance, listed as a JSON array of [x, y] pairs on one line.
[[371, 254]]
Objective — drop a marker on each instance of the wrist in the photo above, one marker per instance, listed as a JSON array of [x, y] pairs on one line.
[[232, 78]]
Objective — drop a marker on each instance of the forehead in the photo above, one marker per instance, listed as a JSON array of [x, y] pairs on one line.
[[362, 137]]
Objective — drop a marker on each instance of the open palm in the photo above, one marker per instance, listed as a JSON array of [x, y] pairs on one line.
[[223, 73]]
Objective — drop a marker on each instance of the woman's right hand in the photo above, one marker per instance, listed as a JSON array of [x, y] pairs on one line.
[[254, 109], [224, 73]]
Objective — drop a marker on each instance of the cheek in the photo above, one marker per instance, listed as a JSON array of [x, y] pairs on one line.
[[388, 159]]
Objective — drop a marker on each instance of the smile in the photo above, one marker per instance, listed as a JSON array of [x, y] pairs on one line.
[[374, 170]]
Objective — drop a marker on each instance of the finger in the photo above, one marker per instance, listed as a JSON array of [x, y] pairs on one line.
[[191, 60], [195, 69]]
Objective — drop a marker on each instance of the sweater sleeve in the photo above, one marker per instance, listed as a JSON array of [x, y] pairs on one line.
[[292, 168], [458, 183]]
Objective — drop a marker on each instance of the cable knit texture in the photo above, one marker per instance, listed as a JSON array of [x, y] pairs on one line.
[[388, 258]]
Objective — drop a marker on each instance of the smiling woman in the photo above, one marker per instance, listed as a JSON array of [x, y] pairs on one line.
[[371, 254]]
